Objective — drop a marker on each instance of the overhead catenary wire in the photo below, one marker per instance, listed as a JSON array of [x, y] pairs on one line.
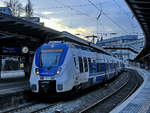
[[118, 5], [66, 6], [72, 8], [82, 13], [127, 14], [119, 26], [62, 25]]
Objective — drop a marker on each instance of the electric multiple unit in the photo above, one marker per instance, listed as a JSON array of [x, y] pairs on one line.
[[63, 66]]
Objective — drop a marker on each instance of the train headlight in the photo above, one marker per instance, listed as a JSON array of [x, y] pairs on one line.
[[60, 87], [58, 70], [37, 71]]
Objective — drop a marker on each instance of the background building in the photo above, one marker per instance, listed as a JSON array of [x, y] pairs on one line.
[[129, 46]]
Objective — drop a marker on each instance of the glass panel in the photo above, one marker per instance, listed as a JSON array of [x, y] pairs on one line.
[[50, 58], [11, 64], [90, 65], [85, 64], [80, 64]]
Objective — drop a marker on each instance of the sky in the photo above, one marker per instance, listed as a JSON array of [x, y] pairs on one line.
[[79, 17]]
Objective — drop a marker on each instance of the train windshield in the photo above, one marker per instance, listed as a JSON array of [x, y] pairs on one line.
[[50, 57]]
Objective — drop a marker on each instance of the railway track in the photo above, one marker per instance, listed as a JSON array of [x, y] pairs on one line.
[[33, 107], [100, 105]]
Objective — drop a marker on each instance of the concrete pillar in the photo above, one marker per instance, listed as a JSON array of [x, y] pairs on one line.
[[0, 65], [148, 61], [26, 67]]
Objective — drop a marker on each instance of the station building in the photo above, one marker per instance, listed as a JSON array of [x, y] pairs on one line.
[[12, 58]]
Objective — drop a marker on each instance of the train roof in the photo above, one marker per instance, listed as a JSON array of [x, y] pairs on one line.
[[65, 36]]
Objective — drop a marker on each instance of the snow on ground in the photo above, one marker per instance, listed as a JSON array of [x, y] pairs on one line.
[[146, 76]]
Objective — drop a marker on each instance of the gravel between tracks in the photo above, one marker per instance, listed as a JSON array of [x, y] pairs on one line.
[[107, 105], [87, 99], [74, 106]]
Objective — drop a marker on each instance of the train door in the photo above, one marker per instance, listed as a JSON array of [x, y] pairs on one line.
[[104, 67], [94, 71], [110, 69], [77, 72], [86, 72], [107, 68], [82, 77]]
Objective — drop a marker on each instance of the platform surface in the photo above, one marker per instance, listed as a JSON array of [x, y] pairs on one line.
[[139, 102], [13, 87]]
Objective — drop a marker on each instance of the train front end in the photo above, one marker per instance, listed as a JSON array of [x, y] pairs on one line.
[[48, 70]]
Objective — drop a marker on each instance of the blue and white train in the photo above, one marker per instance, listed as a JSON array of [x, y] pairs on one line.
[[63, 66]]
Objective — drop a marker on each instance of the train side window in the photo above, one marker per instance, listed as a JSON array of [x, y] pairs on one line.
[[90, 65], [98, 67], [101, 67], [80, 64], [85, 64], [94, 62], [106, 67], [112, 66], [109, 67], [75, 61]]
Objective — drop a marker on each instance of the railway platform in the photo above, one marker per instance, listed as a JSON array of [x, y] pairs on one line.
[[13, 87], [13, 93], [139, 102]]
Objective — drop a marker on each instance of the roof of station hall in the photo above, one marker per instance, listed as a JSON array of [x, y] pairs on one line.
[[19, 26], [17, 29], [141, 10]]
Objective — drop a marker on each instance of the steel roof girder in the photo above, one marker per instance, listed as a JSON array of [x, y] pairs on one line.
[[139, 2]]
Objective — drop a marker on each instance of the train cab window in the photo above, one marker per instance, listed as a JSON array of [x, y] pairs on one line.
[[80, 64], [50, 57], [90, 65], [85, 64]]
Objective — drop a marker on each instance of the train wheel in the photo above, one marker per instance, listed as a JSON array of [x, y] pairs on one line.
[[73, 93]]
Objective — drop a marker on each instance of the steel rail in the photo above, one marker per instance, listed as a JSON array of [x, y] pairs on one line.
[[103, 99], [20, 108], [45, 108], [130, 93], [29, 105]]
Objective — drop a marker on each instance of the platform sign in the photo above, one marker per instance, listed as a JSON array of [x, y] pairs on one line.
[[11, 50]]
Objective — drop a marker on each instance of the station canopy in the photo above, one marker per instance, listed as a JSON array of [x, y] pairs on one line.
[[16, 32], [141, 10]]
